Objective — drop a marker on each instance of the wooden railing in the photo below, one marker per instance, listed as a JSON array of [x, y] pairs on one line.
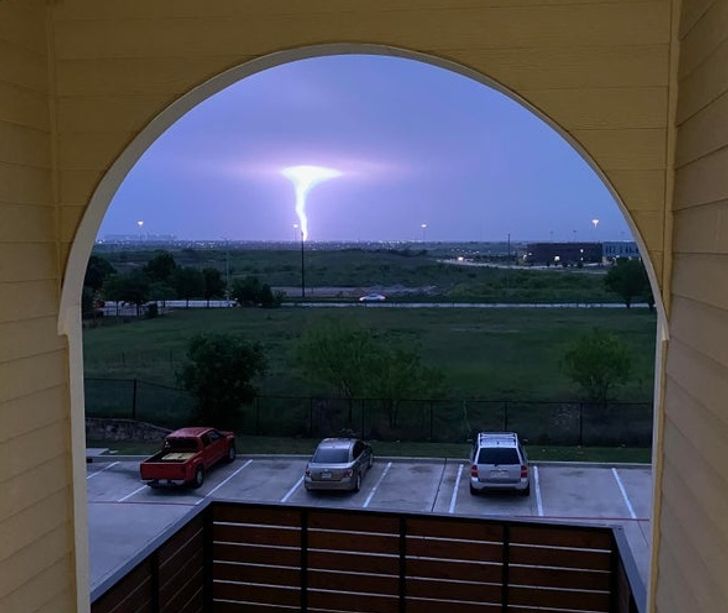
[[248, 557]]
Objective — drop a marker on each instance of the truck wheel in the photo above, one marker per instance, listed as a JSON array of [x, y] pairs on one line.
[[231, 454], [199, 477]]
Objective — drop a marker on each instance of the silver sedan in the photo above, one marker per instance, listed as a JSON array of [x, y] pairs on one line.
[[338, 464]]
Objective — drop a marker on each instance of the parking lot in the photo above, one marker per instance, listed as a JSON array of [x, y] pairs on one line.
[[124, 514]]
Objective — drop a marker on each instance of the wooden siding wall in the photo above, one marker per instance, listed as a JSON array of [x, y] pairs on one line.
[[79, 79], [36, 532], [693, 556]]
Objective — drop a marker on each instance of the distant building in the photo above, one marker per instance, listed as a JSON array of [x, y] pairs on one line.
[[621, 249], [563, 254]]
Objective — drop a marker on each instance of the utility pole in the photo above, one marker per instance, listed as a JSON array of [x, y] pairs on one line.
[[509, 247], [303, 270]]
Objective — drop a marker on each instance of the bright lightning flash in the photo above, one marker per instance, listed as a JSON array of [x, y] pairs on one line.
[[304, 179]]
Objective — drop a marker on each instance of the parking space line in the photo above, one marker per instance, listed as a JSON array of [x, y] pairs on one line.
[[219, 485], [102, 470], [376, 485], [537, 483], [624, 493], [136, 491], [454, 497], [289, 493]]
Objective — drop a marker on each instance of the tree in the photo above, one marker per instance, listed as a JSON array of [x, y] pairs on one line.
[[336, 354], [132, 287], [246, 292], [598, 362], [352, 361], [214, 284], [161, 267], [159, 290], [628, 279], [395, 373], [97, 271], [188, 283], [221, 372]]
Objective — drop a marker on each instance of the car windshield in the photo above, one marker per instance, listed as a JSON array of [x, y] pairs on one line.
[[330, 455], [180, 444], [498, 455]]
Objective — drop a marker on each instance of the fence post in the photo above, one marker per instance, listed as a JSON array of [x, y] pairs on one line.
[[257, 415], [304, 559], [432, 419], [362, 409], [505, 416], [505, 579], [134, 399], [310, 416], [581, 424], [402, 564]]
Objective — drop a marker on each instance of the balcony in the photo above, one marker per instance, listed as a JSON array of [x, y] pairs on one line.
[[228, 556]]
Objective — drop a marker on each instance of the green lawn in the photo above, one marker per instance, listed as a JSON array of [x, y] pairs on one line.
[[494, 354]]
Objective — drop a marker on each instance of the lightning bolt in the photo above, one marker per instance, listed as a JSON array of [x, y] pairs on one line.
[[304, 179]]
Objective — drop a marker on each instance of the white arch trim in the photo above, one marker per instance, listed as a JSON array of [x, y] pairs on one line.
[[69, 322]]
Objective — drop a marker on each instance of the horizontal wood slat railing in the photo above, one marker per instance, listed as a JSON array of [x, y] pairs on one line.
[[229, 556]]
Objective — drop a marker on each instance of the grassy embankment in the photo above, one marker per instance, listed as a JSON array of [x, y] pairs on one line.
[[492, 354]]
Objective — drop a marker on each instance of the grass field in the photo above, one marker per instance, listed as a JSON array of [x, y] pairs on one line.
[[493, 354], [412, 268]]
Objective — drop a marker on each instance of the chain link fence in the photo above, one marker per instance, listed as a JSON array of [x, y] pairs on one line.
[[437, 420]]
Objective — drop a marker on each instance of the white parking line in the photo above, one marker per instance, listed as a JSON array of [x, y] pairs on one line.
[[454, 497], [289, 493], [537, 483], [219, 485], [136, 491], [376, 485], [102, 470], [624, 494]]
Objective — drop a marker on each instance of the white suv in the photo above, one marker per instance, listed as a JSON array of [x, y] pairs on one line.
[[498, 462]]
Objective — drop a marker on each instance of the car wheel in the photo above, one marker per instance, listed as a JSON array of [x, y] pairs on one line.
[[473, 491], [153, 484], [199, 477], [527, 491], [357, 483], [231, 454]]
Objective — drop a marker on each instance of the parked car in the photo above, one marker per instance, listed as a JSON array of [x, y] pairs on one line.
[[373, 298], [187, 455], [498, 462], [338, 464]]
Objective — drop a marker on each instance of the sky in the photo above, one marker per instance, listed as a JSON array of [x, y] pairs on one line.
[[413, 144]]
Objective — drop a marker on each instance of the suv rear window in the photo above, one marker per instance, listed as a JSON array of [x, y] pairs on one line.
[[327, 455], [498, 455]]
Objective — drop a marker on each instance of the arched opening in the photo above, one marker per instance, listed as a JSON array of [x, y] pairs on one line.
[[109, 185]]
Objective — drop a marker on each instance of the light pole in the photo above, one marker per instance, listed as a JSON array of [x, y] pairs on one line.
[[303, 267], [596, 223], [423, 227], [140, 224]]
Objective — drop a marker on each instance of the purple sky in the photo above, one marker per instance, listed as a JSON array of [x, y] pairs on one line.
[[415, 143]]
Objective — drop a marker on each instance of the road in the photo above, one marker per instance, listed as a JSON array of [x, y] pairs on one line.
[[125, 515]]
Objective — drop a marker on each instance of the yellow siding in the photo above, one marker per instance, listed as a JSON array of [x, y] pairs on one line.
[[36, 532], [693, 562], [79, 79]]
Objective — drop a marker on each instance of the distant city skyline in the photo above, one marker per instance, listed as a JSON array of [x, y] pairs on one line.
[[415, 145]]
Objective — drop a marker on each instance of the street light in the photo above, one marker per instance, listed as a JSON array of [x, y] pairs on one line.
[[140, 223], [299, 230], [424, 229]]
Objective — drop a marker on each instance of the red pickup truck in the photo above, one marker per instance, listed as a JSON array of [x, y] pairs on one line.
[[186, 456]]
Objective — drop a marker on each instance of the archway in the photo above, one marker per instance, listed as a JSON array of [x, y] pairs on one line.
[[70, 301]]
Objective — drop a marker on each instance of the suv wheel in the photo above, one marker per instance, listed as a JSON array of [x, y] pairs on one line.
[[527, 491], [357, 483], [473, 491]]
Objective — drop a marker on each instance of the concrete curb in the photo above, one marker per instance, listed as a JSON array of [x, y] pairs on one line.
[[407, 459]]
